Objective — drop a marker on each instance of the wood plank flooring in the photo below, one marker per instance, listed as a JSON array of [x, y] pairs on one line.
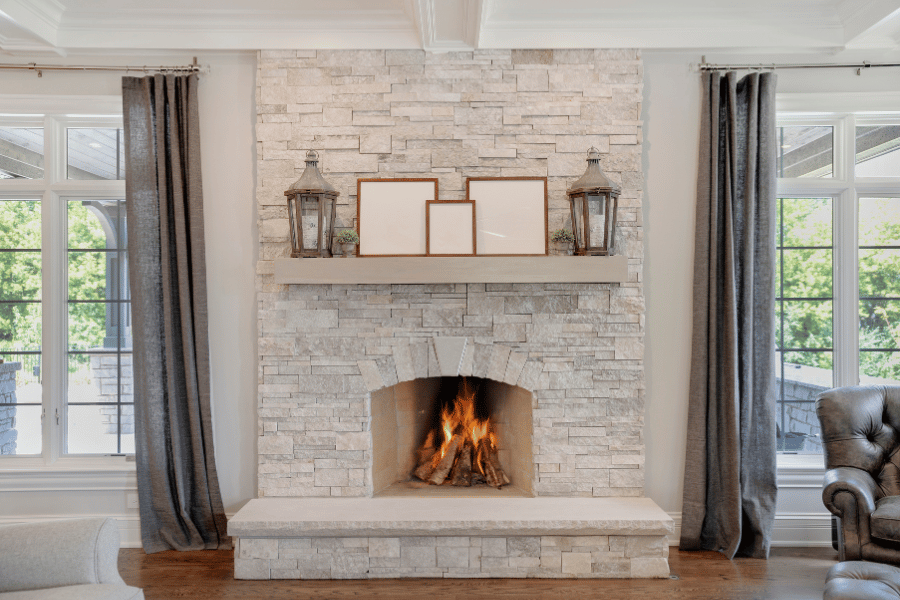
[[790, 573]]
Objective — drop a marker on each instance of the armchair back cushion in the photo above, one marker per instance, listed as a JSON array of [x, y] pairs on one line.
[[860, 427]]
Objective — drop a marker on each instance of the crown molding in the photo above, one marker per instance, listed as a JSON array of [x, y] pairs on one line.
[[39, 17], [23, 47], [859, 17]]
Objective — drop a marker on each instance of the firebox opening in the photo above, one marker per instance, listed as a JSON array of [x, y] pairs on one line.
[[452, 436]]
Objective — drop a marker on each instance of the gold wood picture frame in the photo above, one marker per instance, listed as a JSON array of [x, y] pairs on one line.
[[450, 228]]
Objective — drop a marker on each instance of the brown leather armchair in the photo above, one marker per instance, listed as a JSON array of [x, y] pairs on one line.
[[861, 439]]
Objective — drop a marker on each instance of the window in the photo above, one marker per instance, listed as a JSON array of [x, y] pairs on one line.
[[837, 262], [66, 384]]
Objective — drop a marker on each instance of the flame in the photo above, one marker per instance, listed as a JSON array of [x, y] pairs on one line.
[[460, 419]]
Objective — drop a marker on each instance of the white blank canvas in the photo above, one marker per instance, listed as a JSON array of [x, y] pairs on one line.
[[511, 216], [392, 216], [450, 228]]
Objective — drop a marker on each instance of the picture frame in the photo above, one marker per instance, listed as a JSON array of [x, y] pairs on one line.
[[512, 215], [390, 215], [450, 228]]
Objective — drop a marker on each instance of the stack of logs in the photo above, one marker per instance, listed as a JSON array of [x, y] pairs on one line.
[[464, 463]]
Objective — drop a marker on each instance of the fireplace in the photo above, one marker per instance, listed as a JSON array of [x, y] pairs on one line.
[[349, 372], [407, 421]]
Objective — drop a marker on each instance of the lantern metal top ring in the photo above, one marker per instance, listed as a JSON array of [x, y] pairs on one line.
[[311, 209], [594, 201]]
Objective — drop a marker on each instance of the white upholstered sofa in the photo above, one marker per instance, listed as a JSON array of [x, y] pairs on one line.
[[72, 560]]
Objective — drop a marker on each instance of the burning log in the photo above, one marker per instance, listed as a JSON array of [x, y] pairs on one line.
[[468, 453], [489, 464], [426, 465], [426, 461], [461, 475], [442, 469]]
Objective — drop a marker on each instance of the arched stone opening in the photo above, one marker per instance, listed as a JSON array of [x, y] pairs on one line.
[[402, 416]]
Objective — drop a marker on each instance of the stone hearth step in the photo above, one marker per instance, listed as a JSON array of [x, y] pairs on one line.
[[331, 538]]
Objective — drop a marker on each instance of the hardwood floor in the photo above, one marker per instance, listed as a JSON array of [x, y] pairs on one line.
[[790, 573]]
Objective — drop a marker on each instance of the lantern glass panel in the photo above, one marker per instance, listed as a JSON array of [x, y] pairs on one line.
[[610, 232], [309, 211], [327, 217], [577, 217], [293, 216], [597, 217]]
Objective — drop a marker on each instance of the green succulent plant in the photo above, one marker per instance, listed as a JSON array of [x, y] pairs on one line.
[[562, 235], [347, 236]]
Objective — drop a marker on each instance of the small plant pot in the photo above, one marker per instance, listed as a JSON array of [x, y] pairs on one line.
[[560, 249], [348, 250]]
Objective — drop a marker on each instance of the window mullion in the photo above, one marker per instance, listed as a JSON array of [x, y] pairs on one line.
[[846, 267], [53, 365], [846, 291], [55, 292]]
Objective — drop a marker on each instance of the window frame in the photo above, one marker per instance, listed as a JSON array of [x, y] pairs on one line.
[[843, 111], [55, 114]]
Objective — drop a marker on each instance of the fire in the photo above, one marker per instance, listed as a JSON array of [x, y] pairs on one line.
[[460, 419], [468, 447]]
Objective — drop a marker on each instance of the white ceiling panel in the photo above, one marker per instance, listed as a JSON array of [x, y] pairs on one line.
[[442, 25]]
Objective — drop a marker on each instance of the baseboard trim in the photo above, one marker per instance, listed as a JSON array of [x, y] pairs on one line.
[[804, 530]]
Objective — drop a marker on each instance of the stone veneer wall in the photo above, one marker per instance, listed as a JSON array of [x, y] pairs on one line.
[[324, 348], [549, 557], [8, 433]]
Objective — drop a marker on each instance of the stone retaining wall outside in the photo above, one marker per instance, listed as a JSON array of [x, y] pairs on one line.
[[8, 433]]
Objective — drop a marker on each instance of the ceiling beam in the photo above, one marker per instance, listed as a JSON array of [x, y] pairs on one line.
[[40, 18], [423, 16], [477, 12], [860, 17]]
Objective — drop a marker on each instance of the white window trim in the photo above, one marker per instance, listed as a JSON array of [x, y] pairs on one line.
[[843, 111], [53, 469]]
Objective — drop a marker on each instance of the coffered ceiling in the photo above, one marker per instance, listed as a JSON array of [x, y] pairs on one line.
[[30, 27]]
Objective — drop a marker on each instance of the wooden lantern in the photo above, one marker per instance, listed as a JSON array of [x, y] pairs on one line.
[[311, 208], [594, 200]]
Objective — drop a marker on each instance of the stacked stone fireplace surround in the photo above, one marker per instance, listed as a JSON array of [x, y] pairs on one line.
[[325, 351]]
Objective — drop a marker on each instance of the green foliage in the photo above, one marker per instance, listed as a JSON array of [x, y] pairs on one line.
[[20, 274], [804, 279], [20, 277], [87, 279], [347, 236], [562, 235]]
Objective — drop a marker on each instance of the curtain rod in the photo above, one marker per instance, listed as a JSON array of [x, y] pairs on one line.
[[705, 66], [192, 68]]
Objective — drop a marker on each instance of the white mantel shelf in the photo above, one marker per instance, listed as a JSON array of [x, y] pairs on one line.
[[465, 269]]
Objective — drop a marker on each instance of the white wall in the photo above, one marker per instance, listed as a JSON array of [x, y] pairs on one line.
[[671, 115], [671, 118], [227, 126]]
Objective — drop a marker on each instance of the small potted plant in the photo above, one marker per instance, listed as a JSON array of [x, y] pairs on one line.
[[348, 239], [562, 240]]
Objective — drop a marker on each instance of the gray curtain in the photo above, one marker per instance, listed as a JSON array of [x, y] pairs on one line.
[[729, 478], [180, 503]]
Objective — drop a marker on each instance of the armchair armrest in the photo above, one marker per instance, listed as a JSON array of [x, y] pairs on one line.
[[58, 553], [852, 480], [850, 494]]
